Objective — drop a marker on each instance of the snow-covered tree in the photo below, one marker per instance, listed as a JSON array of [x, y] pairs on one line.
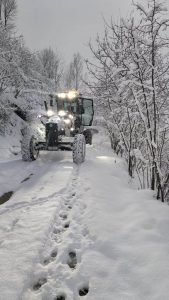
[[8, 9], [51, 66], [74, 74], [20, 72], [131, 76]]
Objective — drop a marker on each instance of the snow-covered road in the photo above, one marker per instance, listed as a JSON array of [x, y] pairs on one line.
[[80, 231]]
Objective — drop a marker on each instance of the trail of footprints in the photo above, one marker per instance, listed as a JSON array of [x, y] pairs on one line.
[[60, 227]]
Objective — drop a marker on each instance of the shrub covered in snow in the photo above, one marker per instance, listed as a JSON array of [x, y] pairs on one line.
[[130, 84]]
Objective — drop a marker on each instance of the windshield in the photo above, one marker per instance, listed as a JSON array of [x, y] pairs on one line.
[[67, 105]]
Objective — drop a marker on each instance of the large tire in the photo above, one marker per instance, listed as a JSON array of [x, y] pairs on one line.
[[88, 136], [79, 149], [28, 151]]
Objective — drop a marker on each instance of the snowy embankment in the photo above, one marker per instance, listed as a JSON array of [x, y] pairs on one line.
[[71, 231]]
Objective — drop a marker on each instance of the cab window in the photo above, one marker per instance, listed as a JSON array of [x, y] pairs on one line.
[[87, 116]]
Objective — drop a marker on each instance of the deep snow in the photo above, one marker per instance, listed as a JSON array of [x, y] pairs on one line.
[[69, 228]]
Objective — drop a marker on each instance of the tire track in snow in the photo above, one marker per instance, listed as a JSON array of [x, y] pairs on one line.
[[22, 208], [27, 205]]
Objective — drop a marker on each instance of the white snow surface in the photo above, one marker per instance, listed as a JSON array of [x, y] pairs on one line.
[[116, 234]]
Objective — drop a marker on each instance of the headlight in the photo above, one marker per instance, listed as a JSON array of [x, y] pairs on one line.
[[72, 94], [67, 121], [61, 113], [62, 95], [50, 113], [70, 116]]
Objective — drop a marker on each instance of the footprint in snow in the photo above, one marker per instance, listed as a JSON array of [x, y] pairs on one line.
[[72, 260], [63, 216], [57, 231], [67, 202], [60, 297], [66, 225], [51, 258], [73, 194], [38, 284], [84, 290], [57, 234], [70, 198]]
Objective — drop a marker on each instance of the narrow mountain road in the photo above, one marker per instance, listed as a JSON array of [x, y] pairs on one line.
[[73, 231]]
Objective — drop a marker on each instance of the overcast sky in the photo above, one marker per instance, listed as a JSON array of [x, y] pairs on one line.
[[66, 25]]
